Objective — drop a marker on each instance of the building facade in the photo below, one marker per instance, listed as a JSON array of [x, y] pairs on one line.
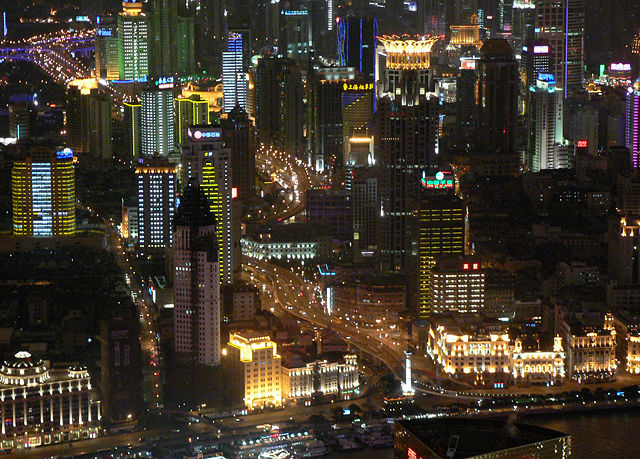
[[133, 42], [157, 118], [457, 285], [156, 205], [321, 377]]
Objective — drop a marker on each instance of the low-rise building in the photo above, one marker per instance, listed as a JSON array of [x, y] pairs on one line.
[[296, 241], [321, 377], [536, 366], [40, 405]]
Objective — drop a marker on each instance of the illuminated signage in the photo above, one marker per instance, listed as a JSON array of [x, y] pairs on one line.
[[357, 86], [65, 154], [295, 13], [583, 143], [540, 49], [467, 266], [442, 180], [548, 77], [164, 82], [82, 18], [199, 135], [105, 32], [467, 64], [234, 192], [619, 67]]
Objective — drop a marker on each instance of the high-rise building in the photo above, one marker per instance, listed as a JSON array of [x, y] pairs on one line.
[[357, 39], [157, 123], [21, 121], [330, 208], [196, 283], [107, 65], [632, 128], [189, 111], [297, 41], [561, 23], [261, 367], [206, 158], [100, 130], [536, 59], [442, 227], [133, 42], [234, 80], [358, 101], [406, 147], [186, 58], [156, 204], [365, 202], [497, 97], [78, 119], [132, 126], [240, 137], [279, 107], [624, 250], [457, 285], [163, 39], [44, 193], [546, 125]]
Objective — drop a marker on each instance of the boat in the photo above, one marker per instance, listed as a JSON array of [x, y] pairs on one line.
[[312, 448], [348, 444]]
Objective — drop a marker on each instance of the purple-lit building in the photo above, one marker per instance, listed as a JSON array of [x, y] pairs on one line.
[[632, 131]]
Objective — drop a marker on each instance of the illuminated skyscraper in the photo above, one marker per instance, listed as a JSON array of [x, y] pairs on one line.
[[44, 193], [561, 23], [157, 123], [163, 39], [297, 41], [546, 125], [132, 125], [133, 36], [156, 204], [205, 158], [234, 80], [186, 46], [189, 111], [357, 44], [632, 130], [107, 65], [196, 279]]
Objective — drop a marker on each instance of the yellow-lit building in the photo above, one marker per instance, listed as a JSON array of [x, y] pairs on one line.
[[213, 95], [480, 357], [321, 377], [44, 193], [262, 368], [190, 110], [466, 34], [633, 354], [408, 52], [538, 366]]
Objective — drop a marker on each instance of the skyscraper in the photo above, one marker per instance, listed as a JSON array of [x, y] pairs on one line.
[[234, 80], [240, 137], [196, 279], [561, 23], [164, 37], [632, 129], [133, 44], [206, 158], [546, 125], [132, 125], [296, 41], [190, 110], [107, 65], [497, 97], [100, 128], [156, 204], [44, 193], [157, 123], [186, 46], [357, 44], [78, 119], [279, 107]]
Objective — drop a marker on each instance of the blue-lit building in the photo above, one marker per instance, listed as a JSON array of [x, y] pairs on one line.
[[357, 44], [234, 80]]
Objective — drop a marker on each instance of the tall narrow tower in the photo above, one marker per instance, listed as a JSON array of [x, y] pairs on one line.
[[196, 279]]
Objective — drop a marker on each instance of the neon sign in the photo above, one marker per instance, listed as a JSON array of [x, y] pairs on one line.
[[620, 67], [199, 135], [583, 143], [65, 154], [105, 33], [164, 82], [442, 180], [540, 49]]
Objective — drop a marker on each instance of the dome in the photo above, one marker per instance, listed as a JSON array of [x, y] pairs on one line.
[[22, 369]]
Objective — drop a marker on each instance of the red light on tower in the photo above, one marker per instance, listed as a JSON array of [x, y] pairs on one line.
[[475, 266], [234, 192], [465, 266]]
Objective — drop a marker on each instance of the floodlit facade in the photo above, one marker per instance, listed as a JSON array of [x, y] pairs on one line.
[[41, 405], [133, 42], [408, 53], [321, 377], [156, 205], [44, 193], [189, 111], [265, 249], [262, 368], [538, 366], [633, 354], [157, 118]]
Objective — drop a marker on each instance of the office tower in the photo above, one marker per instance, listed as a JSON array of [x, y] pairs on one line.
[[365, 202], [297, 42], [189, 111], [132, 126], [157, 123], [240, 137], [523, 24], [163, 39], [561, 23], [21, 121], [186, 57], [261, 366], [206, 158], [234, 80], [623, 250], [100, 129], [196, 283], [632, 127], [279, 108], [546, 125], [331, 208], [497, 97], [133, 42], [537, 58], [357, 44], [457, 285], [441, 231], [78, 119], [406, 147], [156, 204], [505, 15], [107, 65], [325, 114], [357, 118], [44, 193], [466, 98]]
